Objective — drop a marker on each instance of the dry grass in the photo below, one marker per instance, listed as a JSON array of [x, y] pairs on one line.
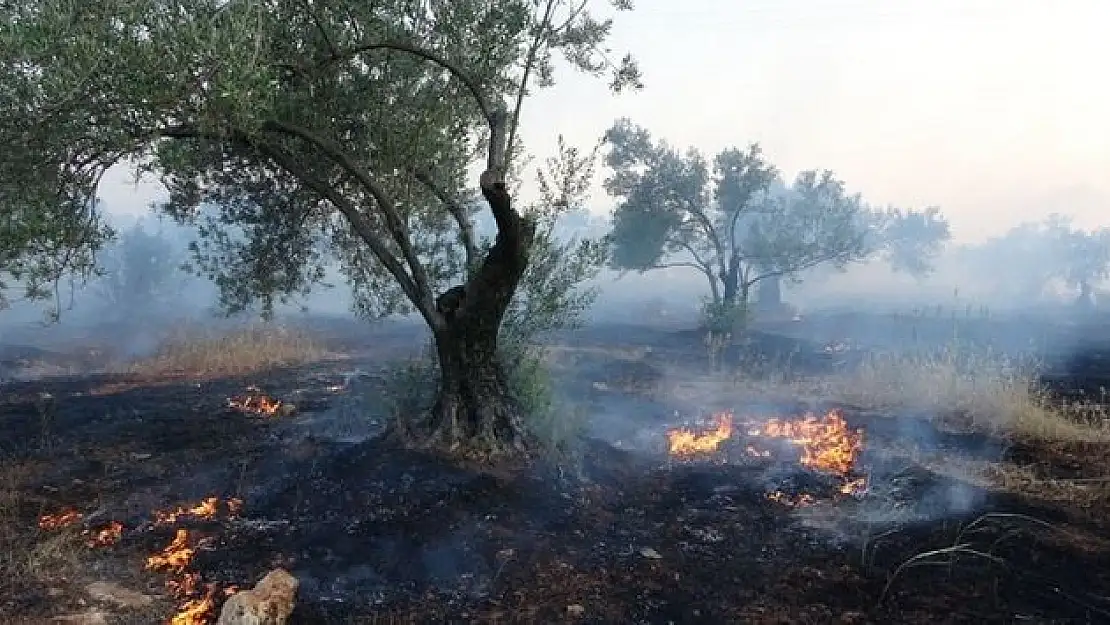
[[985, 390], [30, 558], [207, 353]]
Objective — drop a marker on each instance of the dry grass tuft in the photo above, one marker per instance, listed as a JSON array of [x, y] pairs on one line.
[[986, 391], [203, 353]]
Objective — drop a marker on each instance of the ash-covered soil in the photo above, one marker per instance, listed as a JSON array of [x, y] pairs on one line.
[[616, 532]]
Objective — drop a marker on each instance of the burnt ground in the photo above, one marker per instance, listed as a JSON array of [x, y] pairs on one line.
[[614, 533]]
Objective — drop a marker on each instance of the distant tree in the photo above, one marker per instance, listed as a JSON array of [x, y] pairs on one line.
[[1080, 257], [738, 224], [142, 274], [1032, 255], [910, 240], [342, 130]]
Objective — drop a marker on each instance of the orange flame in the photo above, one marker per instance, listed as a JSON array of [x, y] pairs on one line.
[[255, 402], [175, 557], [684, 442], [207, 508], [197, 611], [51, 522], [827, 443], [105, 536], [184, 587]]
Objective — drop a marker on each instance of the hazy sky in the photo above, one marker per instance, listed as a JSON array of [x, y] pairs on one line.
[[998, 111]]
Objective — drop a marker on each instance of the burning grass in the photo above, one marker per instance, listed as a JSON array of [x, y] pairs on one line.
[[200, 353], [825, 444]]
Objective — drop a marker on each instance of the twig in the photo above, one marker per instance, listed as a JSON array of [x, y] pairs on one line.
[[923, 559]]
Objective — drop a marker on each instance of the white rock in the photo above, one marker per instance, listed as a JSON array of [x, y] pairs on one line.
[[270, 602]]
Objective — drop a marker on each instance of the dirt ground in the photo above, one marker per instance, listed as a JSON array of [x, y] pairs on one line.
[[953, 526]]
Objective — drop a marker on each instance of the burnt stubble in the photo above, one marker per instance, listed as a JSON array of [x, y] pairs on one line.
[[615, 531]]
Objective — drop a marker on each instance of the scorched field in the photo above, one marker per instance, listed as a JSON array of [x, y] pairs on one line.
[[812, 484]]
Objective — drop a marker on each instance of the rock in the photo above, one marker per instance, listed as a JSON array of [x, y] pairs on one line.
[[650, 553], [270, 602], [93, 617], [111, 592], [575, 610]]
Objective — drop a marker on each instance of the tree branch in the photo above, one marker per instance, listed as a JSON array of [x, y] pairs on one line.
[[421, 297], [332, 50], [679, 264], [396, 224], [797, 267], [471, 84], [363, 227], [529, 62], [711, 233], [496, 116], [458, 211]]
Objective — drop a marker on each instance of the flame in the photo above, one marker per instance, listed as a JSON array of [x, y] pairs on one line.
[[854, 487], [206, 508], [105, 536], [684, 442], [175, 556], [255, 402], [197, 611], [184, 587], [827, 443], [51, 522]]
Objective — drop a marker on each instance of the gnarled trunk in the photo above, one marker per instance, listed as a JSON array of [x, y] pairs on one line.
[[475, 413]]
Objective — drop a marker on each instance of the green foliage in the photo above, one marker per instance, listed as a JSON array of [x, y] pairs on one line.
[[551, 296], [723, 318], [293, 134], [45, 242], [738, 223], [909, 240]]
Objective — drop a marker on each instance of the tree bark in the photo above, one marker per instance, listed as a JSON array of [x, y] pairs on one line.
[[475, 414], [730, 278], [770, 294]]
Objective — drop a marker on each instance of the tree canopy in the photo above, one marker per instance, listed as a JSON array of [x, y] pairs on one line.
[[1034, 254], [298, 132], [737, 222]]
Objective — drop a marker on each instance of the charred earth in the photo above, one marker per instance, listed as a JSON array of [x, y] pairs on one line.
[[797, 512]]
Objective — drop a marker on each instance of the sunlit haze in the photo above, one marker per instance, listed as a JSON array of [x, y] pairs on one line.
[[991, 109]]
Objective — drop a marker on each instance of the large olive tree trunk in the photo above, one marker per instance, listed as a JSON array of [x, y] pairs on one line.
[[475, 413]]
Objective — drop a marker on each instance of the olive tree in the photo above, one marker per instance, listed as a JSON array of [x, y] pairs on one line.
[[738, 223], [297, 132], [142, 275]]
